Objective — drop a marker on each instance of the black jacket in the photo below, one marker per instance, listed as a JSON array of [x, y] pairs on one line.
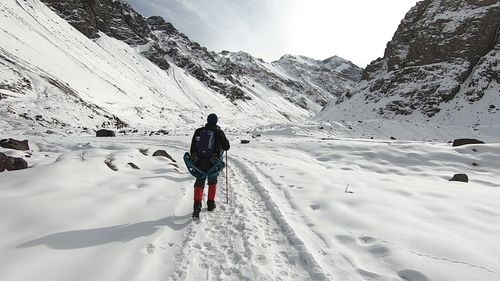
[[221, 142]]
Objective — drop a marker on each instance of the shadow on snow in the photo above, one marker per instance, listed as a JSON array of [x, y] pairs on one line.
[[99, 236]]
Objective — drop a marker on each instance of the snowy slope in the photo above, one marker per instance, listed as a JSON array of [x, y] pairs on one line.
[[232, 74], [289, 216], [54, 76]]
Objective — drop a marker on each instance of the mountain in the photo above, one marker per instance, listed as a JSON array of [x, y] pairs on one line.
[[234, 75], [53, 76], [111, 67], [442, 65]]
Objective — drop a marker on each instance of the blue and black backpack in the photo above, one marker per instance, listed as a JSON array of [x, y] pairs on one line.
[[205, 144]]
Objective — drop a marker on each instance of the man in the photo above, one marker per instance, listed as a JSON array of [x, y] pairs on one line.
[[207, 146]]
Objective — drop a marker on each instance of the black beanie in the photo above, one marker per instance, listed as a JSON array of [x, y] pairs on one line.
[[212, 119]]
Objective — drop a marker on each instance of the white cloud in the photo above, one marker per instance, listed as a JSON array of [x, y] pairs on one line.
[[357, 30]]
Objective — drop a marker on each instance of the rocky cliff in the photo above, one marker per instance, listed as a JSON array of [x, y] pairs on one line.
[[443, 57]]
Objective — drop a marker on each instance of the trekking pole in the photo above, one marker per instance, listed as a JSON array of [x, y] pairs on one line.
[[227, 183]]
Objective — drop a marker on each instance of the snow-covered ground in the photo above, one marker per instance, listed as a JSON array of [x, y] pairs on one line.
[[328, 200], [289, 217]]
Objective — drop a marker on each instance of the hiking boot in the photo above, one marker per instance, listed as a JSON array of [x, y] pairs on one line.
[[196, 209], [210, 205]]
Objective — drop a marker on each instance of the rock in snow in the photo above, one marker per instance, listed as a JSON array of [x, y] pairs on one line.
[[105, 133], [3, 162], [134, 166], [460, 142], [15, 144], [163, 153], [460, 177], [12, 163]]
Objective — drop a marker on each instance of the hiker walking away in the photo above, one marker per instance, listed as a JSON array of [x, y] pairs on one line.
[[207, 146]]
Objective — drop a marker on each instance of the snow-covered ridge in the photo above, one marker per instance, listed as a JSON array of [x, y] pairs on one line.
[[52, 75], [231, 75]]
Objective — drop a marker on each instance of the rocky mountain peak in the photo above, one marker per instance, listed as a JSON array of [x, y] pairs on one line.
[[157, 23], [114, 18], [297, 59], [443, 52], [441, 31]]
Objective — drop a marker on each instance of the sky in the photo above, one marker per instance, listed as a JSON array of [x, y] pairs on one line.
[[357, 30]]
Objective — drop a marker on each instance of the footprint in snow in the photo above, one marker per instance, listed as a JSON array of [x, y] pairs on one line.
[[345, 239], [150, 248], [315, 207], [366, 240], [379, 251]]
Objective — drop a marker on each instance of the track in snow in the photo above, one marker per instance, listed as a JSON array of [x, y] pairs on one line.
[[241, 240]]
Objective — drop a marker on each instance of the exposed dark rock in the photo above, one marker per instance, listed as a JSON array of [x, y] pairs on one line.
[[114, 18], [3, 162], [12, 163], [110, 161], [460, 142], [134, 166], [144, 151], [105, 133], [245, 141], [161, 132], [460, 177], [159, 24], [15, 144], [19, 164], [164, 154]]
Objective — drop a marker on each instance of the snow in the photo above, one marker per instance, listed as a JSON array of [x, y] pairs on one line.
[[107, 77], [325, 199], [455, 17], [69, 216]]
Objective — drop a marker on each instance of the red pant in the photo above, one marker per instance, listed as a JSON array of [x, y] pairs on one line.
[[198, 192]]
